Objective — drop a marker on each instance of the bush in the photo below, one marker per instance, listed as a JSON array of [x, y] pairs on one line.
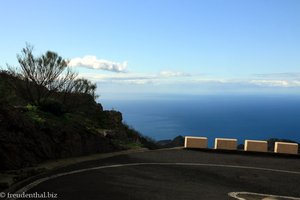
[[53, 106], [30, 107]]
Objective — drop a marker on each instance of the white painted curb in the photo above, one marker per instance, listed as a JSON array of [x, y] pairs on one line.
[[235, 195]]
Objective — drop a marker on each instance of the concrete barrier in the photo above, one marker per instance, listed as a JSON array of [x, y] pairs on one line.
[[285, 147], [195, 142], [256, 145], [226, 143]]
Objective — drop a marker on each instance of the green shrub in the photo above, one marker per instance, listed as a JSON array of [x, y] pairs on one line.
[[52, 106], [30, 107], [35, 117]]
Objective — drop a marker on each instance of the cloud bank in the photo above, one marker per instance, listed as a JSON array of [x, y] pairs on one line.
[[93, 63], [181, 78], [163, 77], [276, 83], [173, 74]]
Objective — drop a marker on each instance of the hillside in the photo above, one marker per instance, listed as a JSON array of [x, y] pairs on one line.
[[30, 134]]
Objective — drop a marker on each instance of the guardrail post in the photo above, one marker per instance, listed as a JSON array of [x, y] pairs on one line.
[[195, 142], [226, 143]]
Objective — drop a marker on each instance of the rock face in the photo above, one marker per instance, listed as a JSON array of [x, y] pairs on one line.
[[176, 142], [23, 143]]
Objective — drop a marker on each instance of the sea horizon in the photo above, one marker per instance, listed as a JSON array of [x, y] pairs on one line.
[[258, 117]]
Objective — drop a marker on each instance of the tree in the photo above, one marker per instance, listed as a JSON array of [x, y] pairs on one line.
[[78, 93], [43, 75], [47, 76], [84, 86], [78, 86]]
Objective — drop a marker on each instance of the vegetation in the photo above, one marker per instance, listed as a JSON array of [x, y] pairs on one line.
[[47, 112], [46, 76]]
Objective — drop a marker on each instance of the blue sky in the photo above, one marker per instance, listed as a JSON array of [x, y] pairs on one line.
[[164, 46]]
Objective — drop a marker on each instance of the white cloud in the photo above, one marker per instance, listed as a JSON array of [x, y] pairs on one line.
[[93, 63], [173, 74], [286, 75], [137, 78], [121, 78], [272, 83], [181, 78], [276, 83]]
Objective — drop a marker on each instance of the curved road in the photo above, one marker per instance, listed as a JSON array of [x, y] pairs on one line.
[[176, 174]]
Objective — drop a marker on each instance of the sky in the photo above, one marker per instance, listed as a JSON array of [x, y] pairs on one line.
[[132, 48]]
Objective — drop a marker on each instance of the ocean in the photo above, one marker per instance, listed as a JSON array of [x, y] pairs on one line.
[[232, 116]]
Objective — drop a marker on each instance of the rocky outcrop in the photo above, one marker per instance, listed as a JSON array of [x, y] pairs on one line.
[[176, 142], [61, 125]]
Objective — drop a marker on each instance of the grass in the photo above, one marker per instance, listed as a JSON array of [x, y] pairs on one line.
[[34, 115]]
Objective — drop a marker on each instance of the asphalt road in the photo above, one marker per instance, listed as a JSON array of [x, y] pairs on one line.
[[175, 174]]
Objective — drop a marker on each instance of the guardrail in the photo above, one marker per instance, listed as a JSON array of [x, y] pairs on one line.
[[256, 145], [284, 147], [226, 143], [193, 142]]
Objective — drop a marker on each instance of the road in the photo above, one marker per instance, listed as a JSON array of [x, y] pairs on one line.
[[175, 174]]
